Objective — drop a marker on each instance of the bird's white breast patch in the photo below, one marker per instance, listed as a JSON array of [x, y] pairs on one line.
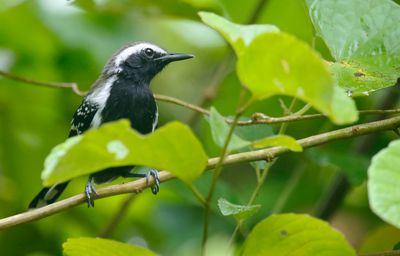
[[100, 96]]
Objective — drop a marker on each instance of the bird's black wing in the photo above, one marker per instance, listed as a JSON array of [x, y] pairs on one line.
[[83, 117], [81, 121]]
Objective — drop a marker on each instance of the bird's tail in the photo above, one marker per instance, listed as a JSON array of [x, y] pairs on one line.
[[48, 195]]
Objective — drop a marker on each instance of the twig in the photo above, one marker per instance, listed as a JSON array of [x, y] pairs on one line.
[[257, 118], [138, 185], [260, 183], [241, 107], [181, 103], [72, 86], [217, 172]]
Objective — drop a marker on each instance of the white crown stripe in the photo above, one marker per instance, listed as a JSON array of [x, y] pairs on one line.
[[124, 54]]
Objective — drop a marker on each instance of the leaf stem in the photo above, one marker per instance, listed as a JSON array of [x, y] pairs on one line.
[[197, 194], [216, 174], [260, 183]]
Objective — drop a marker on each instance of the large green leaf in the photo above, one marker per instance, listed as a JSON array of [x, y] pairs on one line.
[[99, 247], [239, 36], [383, 184], [295, 235], [240, 212], [271, 63], [363, 37], [277, 63], [173, 147]]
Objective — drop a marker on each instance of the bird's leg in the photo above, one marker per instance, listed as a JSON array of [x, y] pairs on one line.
[[153, 173], [90, 191]]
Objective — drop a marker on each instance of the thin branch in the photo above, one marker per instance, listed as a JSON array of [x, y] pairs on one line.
[[260, 183], [181, 103], [216, 174], [73, 86], [257, 118], [241, 107], [263, 154]]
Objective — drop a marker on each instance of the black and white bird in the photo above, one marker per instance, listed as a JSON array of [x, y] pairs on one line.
[[121, 91]]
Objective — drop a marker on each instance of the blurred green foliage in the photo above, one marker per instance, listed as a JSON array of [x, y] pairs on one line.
[[70, 41]]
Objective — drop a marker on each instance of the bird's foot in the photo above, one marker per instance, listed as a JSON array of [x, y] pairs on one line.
[[90, 192], [156, 186]]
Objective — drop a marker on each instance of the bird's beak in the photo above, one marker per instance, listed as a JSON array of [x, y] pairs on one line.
[[170, 57]]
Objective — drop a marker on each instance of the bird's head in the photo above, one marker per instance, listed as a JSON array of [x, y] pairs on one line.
[[141, 60]]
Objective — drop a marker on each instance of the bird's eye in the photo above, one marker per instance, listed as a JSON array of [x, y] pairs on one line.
[[149, 52]]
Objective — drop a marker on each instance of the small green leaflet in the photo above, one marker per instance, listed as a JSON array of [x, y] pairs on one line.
[[278, 140], [238, 211]]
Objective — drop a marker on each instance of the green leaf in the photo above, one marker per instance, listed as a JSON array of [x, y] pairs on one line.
[[361, 79], [220, 130], [278, 63], [367, 49], [240, 212], [239, 36], [99, 247], [383, 184], [295, 235], [279, 140], [172, 147]]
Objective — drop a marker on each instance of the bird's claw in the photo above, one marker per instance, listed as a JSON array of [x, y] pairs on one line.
[[156, 186], [90, 192]]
